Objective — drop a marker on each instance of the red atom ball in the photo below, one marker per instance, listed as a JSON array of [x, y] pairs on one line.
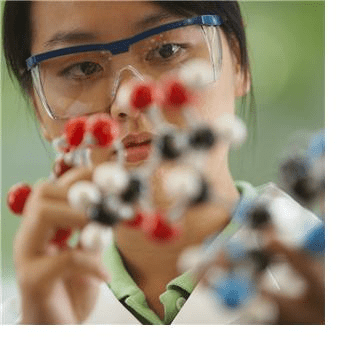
[[104, 130], [136, 221], [177, 94], [17, 196], [75, 130], [142, 96], [160, 230], [61, 236], [60, 167]]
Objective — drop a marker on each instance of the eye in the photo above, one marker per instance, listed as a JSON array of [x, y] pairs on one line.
[[82, 70], [165, 52], [168, 50]]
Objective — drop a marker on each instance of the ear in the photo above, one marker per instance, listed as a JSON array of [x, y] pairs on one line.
[[37, 110], [242, 81], [45, 133], [242, 76]]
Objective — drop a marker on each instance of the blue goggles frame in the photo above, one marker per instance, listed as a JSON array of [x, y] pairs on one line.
[[122, 46]]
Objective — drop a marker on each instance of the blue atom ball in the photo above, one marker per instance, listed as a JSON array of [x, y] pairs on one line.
[[315, 242], [234, 291], [317, 146], [232, 299]]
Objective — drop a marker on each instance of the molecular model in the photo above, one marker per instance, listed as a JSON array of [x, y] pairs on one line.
[[269, 214], [303, 174], [304, 178], [120, 195]]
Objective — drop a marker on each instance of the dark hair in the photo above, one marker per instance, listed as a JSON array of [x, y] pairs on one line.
[[17, 36], [16, 40]]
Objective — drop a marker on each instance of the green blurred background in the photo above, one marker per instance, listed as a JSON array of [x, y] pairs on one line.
[[286, 48]]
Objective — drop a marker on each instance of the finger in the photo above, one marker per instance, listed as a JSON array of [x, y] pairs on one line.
[[220, 263], [223, 261], [74, 175], [286, 307], [58, 213], [40, 226], [48, 190], [214, 276], [296, 310], [83, 262], [302, 263], [48, 269]]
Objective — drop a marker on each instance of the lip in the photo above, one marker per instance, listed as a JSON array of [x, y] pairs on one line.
[[137, 146]]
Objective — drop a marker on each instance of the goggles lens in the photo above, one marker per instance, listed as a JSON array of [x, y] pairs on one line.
[[86, 83]]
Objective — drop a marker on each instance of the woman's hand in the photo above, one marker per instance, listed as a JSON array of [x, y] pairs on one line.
[[58, 285], [308, 307]]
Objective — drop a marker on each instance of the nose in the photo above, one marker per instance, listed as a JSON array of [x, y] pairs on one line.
[[126, 74]]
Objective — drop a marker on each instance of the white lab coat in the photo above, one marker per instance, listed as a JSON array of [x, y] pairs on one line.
[[199, 309]]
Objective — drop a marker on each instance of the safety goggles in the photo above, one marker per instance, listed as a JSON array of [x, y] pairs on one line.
[[81, 80]]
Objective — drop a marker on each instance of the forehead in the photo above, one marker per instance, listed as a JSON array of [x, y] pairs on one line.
[[56, 24]]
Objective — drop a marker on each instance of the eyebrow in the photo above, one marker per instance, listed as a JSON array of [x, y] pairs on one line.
[[77, 36], [70, 37], [154, 19]]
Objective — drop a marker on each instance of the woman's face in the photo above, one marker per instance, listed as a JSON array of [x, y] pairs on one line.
[[62, 24]]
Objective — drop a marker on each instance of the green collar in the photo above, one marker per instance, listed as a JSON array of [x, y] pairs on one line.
[[121, 282]]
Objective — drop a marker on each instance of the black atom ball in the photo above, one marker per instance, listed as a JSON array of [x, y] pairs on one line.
[[203, 195], [98, 213], [203, 138], [133, 191], [168, 148], [259, 217], [294, 168], [304, 190]]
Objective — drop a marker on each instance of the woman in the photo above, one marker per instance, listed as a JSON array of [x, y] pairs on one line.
[[62, 286]]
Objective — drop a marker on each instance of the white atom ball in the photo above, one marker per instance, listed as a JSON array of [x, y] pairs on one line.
[[83, 194], [190, 258], [232, 128], [96, 237], [182, 183], [111, 178], [196, 74]]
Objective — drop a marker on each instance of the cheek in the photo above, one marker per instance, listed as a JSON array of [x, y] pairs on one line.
[[218, 99], [51, 129]]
